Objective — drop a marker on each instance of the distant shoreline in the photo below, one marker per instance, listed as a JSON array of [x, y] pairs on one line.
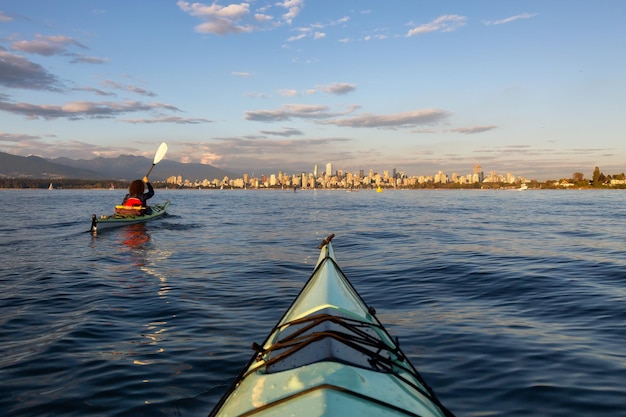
[[117, 185], [299, 190]]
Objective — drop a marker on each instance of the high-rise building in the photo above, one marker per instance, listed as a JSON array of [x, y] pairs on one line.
[[478, 173], [329, 169], [315, 170]]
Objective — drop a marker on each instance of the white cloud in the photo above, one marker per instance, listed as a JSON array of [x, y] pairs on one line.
[[446, 23], [219, 20], [260, 17], [294, 7], [223, 20], [232, 11], [288, 92], [511, 19], [297, 37]]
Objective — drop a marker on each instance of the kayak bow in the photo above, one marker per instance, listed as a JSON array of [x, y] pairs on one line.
[[329, 356], [116, 220]]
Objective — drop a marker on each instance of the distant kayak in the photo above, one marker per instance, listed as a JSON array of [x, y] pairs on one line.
[[115, 220], [329, 356]]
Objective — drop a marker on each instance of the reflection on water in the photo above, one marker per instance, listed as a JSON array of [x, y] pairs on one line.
[[135, 236]]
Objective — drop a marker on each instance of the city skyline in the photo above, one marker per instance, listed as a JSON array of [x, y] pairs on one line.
[[530, 87], [340, 179]]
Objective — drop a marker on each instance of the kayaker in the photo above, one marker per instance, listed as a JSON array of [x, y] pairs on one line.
[[136, 195]]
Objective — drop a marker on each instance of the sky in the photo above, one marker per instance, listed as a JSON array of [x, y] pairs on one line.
[[534, 88]]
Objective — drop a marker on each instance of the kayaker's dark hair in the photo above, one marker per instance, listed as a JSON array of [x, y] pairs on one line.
[[136, 188]]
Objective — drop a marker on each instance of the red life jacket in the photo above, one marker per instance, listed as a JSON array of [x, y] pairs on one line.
[[133, 201]]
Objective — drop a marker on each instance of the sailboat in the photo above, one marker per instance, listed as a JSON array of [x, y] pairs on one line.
[[50, 187]]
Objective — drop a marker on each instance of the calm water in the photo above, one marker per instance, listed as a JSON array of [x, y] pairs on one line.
[[509, 303]]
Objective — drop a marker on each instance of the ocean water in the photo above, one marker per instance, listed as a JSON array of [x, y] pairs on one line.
[[509, 303]]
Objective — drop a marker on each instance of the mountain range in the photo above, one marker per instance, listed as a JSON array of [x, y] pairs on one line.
[[123, 167]]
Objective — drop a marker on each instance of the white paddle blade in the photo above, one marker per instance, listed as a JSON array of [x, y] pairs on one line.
[[160, 153]]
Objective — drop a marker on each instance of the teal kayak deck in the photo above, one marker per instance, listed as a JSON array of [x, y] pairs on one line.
[[329, 356], [116, 220]]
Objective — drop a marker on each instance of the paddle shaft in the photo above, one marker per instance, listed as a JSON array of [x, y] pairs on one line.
[[148, 174], [160, 153]]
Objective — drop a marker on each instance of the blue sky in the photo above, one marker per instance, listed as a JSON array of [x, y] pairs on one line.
[[535, 88]]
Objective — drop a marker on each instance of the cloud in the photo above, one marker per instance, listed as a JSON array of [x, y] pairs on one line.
[[219, 20], [446, 23], [378, 37], [77, 110], [294, 7], [95, 91], [285, 132], [263, 18], [80, 59], [289, 111], [315, 30], [297, 37], [511, 19], [222, 27], [224, 20], [56, 45], [472, 130], [18, 72], [130, 88], [232, 11], [288, 92], [47, 45], [15, 138], [338, 88], [169, 119], [5, 18], [335, 88], [397, 120]]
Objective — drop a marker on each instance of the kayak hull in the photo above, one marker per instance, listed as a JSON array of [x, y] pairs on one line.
[[329, 356], [108, 222]]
